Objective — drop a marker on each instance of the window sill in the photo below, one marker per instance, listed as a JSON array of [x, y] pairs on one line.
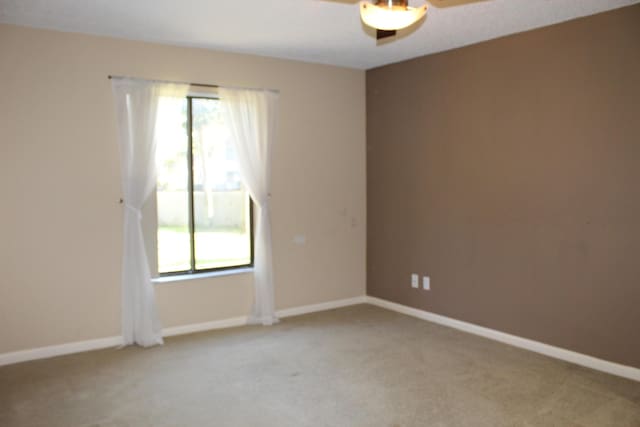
[[195, 276]]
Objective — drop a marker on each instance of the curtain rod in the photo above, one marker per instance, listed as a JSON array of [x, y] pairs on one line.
[[193, 84], [163, 81]]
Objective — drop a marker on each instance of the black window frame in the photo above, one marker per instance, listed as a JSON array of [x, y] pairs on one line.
[[191, 214]]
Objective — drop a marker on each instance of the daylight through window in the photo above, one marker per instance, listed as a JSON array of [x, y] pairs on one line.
[[204, 211]]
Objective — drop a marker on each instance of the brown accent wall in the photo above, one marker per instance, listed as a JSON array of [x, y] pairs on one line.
[[509, 172]]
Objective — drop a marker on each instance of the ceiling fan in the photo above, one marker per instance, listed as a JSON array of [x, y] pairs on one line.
[[389, 16]]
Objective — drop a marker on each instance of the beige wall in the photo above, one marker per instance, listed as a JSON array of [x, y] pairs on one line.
[[509, 172], [60, 221]]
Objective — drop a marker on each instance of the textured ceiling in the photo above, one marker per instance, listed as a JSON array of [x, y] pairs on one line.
[[324, 31]]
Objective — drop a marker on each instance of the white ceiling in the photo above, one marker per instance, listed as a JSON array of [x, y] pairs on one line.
[[323, 31]]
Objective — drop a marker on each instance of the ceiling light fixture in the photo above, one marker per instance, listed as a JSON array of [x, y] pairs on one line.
[[389, 15]]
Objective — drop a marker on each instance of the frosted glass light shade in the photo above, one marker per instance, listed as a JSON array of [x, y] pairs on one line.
[[390, 18]]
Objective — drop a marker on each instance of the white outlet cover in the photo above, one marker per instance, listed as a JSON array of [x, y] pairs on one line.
[[426, 283], [415, 281]]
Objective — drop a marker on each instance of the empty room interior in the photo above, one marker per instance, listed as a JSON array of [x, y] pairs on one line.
[[320, 213]]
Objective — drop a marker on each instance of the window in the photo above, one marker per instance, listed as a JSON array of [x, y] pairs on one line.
[[204, 211]]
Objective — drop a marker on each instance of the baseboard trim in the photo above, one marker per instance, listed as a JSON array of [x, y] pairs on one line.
[[305, 309], [242, 320], [59, 350], [524, 343], [516, 341], [205, 326], [111, 342]]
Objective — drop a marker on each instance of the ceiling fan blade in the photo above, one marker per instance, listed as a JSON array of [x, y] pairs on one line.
[[381, 34], [451, 3]]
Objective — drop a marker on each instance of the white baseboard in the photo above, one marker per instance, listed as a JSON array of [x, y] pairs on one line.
[[527, 344], [242, 320], [296, 311], [206, 326], [58, 350], [524, 343], [110, 342]]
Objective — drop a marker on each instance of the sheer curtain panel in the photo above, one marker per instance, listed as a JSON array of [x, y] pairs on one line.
[[251, 115], [136, 111]]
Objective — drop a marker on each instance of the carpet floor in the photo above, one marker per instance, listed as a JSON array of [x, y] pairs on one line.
[[356, 366]]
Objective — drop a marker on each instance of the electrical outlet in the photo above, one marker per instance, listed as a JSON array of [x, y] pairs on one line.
[[426, 283], [415, 281]]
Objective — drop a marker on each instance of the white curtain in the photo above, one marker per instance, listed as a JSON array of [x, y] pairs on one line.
[[136, 111], [252, 118]]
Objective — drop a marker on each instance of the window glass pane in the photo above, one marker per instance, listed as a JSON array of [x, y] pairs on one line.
[[174, 245], [221, 203]]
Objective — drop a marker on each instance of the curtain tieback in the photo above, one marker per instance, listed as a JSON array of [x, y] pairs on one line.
[[133, 210]]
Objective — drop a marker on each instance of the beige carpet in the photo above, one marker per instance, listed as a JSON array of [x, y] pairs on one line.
[[358, 366]]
